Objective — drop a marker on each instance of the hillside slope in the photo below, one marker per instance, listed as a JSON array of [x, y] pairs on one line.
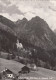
[[16, 66], [7, 22], [7, 38], [7, 29]]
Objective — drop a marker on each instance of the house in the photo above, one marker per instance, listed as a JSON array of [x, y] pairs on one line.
[[7, 73], [19, 45], [32, 66], [24, 69]]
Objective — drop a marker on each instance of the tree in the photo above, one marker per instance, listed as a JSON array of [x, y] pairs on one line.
[[0, 76]]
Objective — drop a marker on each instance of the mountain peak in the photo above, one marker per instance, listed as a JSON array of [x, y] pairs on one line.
[[24, 19], [37, 32], [36, 18], [7, 22]]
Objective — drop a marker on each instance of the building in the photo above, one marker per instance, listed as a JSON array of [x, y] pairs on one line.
[[8, 74], [19, 45], [24, 69], [32, 66]]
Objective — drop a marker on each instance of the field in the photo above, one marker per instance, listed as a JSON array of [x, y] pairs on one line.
[[41, 74]]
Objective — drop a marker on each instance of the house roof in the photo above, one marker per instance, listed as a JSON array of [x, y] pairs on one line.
[[8, 71], [25, 67], [11, 65]]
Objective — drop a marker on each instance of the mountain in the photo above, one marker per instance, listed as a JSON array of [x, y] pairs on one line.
[[6, 28], [36, 32], [7, 22], [24, 20], [7, 41], [20, 25], [8, 37]]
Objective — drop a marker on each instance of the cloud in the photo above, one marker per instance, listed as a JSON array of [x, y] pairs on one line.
[[7, 2], [8, 8], [1, 3], [17, 9], [29, 15], [1, 8], [13, 17], [13, 10], [6, 15]]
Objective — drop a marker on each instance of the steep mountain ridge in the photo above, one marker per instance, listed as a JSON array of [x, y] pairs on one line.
[[7, 41], [37, 32], [6, 28], [20, 25], [8, 37], [7, 22]]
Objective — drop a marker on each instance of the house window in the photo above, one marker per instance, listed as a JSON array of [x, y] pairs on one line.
[[10, 75]]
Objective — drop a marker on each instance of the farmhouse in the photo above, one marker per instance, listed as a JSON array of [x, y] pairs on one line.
[[24, 69], [7, 73]]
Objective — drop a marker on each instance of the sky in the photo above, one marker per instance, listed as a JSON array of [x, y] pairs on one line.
[[18, 9]]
